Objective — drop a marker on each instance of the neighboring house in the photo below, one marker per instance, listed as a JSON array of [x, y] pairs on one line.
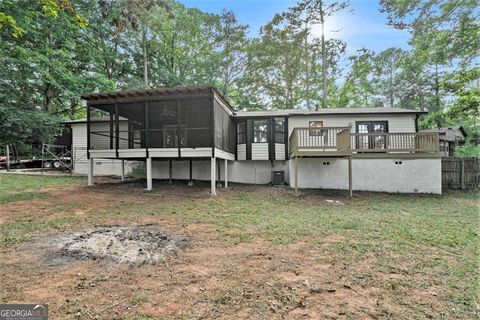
[[183, 132], [449, 138]]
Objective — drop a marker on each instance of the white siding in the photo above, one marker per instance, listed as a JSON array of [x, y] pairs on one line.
[[259, 151], [242, 151], [79, 150], [396, 122], [103, 141], [279, 151]]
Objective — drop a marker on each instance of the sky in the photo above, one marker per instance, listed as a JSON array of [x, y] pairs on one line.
[[364, 27]]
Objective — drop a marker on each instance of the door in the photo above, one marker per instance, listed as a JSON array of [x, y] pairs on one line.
[[170, 136], [370, 135]]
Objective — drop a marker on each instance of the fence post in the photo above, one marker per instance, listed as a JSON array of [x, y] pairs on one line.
[[462, 174]]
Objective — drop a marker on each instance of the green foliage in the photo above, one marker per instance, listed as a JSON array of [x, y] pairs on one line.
[[8, 21], [19, 126], [468, 150]]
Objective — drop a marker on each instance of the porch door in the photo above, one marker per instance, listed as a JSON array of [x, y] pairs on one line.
[[372, 138], [170, 137]]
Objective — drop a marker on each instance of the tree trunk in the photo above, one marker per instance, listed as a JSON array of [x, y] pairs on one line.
[[391, 89], [145, 60], [324, 64], [307, 76], [437, 89]]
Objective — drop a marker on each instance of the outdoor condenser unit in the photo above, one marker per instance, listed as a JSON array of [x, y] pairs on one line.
[[278, 178]]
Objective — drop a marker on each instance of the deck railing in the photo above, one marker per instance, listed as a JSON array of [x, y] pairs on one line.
[[331, 139], [395, 142], [340, 141]]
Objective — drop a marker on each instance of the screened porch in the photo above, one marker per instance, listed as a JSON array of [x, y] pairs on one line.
[[176, 123]]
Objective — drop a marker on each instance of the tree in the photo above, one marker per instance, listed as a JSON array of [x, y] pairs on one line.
[[233, 43], [359, 89], [274, 74], [317, 12], [388, 66], [44, 70], [445, 41]]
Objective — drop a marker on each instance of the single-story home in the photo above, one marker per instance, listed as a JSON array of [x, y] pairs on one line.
[[193, 133], [449, 138]]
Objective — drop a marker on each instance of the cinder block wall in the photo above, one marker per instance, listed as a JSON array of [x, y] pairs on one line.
[[384, 175]]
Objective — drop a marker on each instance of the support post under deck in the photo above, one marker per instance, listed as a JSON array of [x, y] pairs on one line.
[[148, 168], [350, 186], [226, 173], [123, 170], [296, 175], [90, 172], [213, 179], [190, 182]]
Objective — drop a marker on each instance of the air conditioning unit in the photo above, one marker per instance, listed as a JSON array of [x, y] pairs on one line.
[[278, 178]]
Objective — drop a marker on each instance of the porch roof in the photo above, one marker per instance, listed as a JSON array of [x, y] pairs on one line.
[[150, 94]]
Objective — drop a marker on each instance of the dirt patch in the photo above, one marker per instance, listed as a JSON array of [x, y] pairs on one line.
[[136, 245]]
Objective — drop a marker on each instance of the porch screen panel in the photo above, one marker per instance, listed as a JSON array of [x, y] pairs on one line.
[[223, 129], [196, 123], [102, 137], [162, 124], [132, 125]]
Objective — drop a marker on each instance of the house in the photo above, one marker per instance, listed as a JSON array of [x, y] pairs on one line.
[[192, 133], [449, 138]]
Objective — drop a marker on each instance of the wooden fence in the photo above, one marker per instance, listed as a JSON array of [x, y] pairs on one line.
[[460, 173]]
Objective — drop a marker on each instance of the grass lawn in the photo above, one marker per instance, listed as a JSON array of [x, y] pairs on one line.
[[258, 252], [17, 187]]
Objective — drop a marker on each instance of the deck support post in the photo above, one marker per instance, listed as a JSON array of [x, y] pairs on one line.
[[190, 182], [350, 184], [219, 175], [296, 175], [123, 170], [226, 173], [148, 168], [170, 174], [213, 179], [90, 172]]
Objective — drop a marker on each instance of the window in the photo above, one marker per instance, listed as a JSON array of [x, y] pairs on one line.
[[314, 128], [279, 130], [241, 133], [260, 131]]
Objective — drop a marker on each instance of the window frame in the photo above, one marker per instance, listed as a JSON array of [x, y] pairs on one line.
[[371, 142], [316, 131], [275, 131], [242, 133], [265, 132]]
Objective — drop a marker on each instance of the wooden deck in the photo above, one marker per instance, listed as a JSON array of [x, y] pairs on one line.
[[341, 142]]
